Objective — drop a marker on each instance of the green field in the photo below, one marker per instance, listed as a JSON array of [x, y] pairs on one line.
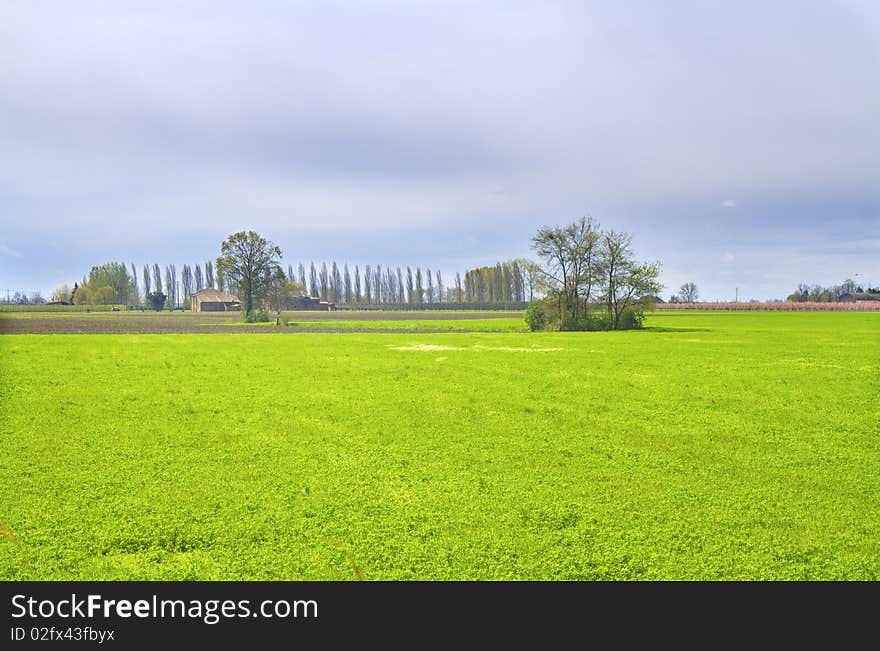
[[708, 446]]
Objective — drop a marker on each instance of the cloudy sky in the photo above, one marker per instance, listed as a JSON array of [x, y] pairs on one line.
[[739, 142]]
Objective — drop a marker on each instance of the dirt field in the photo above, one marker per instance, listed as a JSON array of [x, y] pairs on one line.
[[205, 323]]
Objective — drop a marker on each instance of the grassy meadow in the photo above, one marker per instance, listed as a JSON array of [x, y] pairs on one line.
[[707, 446]]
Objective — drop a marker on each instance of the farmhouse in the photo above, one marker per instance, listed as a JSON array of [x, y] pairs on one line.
[[858, 297], [212, 300], [299, 300]]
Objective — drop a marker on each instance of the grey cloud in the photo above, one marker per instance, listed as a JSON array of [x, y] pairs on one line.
[[340, 122]]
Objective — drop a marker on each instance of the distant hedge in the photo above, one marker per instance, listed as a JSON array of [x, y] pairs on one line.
[[13, 307]]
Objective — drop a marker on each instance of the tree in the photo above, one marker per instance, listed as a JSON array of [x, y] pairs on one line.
[[62, 294], [391, 285], [586, 267], [401, 289], [200, 282], [377, 284], [368, 285], [135, 294], [156, 300], [571, 269], [104, 295], [336, 279], [687, 293], [175, 293], [169, 287], [626, 281], [113, 275], [439, 287], [279, 291], [82, 295], [209, 275], [313, 281], [420, 293], [346, 281], [146, 277], [248, 262], [410, 290], [157, 278], [531, 278], [429, 291], [357, 284], [502, 283], [325, 282], [186, 280]]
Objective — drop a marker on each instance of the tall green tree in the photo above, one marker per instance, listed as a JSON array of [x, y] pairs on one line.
[[147, 278], [429, 290], [346, 281], [157, 278], [368, 284], [135, 294], [186, 281], [420, 292], [313, 281], [113, 275], [249, 263], [199, 279], [169, 288]]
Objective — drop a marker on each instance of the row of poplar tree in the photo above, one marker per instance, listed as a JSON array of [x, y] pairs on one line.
[[504, 282]]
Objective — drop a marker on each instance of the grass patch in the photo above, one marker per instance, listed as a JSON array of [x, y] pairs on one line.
[[717, 447], [434, 325]]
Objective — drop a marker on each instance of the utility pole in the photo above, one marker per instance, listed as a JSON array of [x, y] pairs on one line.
[[736, 300]]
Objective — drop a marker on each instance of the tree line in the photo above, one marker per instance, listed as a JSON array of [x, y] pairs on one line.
[[818, 294], [111, 284], [22, 298], [504, 282], [155, 286], [589, 279]]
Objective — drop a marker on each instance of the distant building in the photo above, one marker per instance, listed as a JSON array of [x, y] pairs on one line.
[[213, 300], [299, 300], [858, 297]]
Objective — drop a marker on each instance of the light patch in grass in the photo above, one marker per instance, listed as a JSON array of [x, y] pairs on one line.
[[428, 348]]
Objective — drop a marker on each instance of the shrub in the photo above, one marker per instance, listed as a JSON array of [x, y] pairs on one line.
[[589, 322], [257, 316], [536, 317], [156, 300], [630, 319]]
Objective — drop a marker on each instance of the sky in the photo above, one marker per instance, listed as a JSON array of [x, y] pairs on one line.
[[738, 142]]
